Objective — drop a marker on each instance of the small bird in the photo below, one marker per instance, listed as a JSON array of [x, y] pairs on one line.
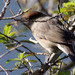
[[49, 34]]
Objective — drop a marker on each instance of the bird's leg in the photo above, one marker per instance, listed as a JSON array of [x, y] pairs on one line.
[[49, 57]]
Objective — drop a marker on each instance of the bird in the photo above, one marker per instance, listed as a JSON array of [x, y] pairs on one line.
[[50, 34]]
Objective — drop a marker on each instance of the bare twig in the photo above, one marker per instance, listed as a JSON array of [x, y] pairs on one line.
[[10, 50], [46, 54], [18, 3], [59, 60], [23, 47], [4, 70], [13, 17], [11, 12], [38, 20], [4, 8], [38, 53], [19, 6], [10, 70], [19, 14]]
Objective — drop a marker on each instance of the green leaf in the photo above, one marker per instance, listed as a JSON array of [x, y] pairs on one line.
[[27, 41], [2, 41], [2, 38], [55, 68], [9, 45], [33, 61], [68, 8], [17, 64], [12, 60], [12, 33], [7, 29], [56, 12], [65, 73], [27, 55], [19, 50], [19, 36], [26, 73], [20, 56]]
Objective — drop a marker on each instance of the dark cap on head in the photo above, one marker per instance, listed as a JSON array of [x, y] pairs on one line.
[[33, 15]]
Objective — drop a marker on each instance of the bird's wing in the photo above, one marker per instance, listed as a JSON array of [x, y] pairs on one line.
[[51, 32]]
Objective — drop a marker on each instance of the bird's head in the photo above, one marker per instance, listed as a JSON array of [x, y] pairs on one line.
[[29, 18]]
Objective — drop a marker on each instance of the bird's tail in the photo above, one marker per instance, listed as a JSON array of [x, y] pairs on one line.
[[72, 57]]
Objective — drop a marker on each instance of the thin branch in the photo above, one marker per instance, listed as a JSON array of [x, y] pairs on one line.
[[38, 53], [10, 50], [4, 70], [38, 20], [18, 3], [46, 66], [68, 66], [61, 14], [46, 54], [19, 14], [59, 60], [10, 70], [23, 47], [11, 12], [13, 17], [19, 6], [43, 69], [4, 8]]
